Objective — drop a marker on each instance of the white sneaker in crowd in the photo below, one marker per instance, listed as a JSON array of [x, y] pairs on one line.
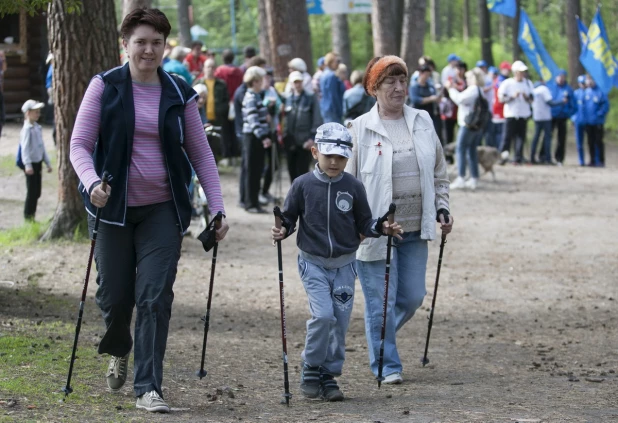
[[458, 183], [393, 379], [471, 183]]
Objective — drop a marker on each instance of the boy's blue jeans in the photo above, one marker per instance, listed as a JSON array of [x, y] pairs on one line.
[[331, 296], [406, 292]]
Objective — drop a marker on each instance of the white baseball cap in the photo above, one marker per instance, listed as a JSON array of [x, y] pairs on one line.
[[519, 66], [334, 138], [31, 105], [296, 76]]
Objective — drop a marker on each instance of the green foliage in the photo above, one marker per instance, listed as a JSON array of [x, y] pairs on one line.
[[27, 233], [34, 6]]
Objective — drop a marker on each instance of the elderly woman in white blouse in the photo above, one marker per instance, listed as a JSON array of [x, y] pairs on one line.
[[398, 158]]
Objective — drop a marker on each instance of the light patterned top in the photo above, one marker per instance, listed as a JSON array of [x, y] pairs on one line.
[[406, 176]]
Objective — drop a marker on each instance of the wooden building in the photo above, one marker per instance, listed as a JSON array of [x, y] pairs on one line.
[[26, 69]]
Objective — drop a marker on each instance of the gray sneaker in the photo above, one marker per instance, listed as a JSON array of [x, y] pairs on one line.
[[310, 381], [151, 401], [117, 372]]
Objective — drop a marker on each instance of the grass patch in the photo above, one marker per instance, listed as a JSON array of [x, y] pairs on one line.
[[34, 361], [27, 233], [8, 166]]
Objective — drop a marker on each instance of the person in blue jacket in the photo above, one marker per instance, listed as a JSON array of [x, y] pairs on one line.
[[332, 89], [596, 107], [561, 112], [578, 118]]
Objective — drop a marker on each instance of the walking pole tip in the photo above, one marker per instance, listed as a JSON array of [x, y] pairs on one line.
[[424, 361], [201, 373]]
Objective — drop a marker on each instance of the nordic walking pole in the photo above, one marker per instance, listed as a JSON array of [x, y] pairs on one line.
[[286, 382], [67, 389], [201, 372], [425, 360], [391, 218]]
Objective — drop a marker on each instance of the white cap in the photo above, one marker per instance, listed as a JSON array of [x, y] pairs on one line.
[[31, 105], [298, 64], [296, 76], [519, 66], [50, 57], [334, 138]]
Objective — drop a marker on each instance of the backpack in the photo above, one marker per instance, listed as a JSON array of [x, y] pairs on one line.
[[480, 115], [360, 108], [18, 162]]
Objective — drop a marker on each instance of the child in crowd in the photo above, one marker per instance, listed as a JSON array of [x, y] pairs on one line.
[[334, 214], [33, 155]]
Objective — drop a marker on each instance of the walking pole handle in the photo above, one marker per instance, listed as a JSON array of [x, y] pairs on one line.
[[104, 181], [278, 215]]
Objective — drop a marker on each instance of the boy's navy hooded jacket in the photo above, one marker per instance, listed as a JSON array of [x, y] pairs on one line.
[[114, 145], [332, 211]]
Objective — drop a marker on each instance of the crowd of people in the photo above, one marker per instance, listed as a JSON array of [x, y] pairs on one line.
[[389, 151]]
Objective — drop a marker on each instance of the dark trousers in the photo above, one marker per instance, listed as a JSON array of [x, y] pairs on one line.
[[33, 191], [449, 130], [560, 125], [515, 130], [298, 160], [595, 144], [541, 127], [229, 145], [437, 126], [243, 170], [136, 266], [254, 160]]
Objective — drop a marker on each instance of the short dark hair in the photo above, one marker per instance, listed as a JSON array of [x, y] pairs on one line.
[[250, 52], [145, 16], [228, 56], [197, 44], [256, 61]]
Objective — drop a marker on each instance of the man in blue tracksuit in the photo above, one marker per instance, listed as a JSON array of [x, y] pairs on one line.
[[596, 107], [579, 118], [331, 90], [334, 213], [562, 95]]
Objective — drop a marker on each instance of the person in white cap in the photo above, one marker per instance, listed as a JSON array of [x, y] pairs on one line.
[[33, 154], [302, 118], [298, 65], [516, 93], [334, 213]]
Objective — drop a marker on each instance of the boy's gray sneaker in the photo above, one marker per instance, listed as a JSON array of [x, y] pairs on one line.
[[151, 401], [329, 390], [117, 372], [310, 381]]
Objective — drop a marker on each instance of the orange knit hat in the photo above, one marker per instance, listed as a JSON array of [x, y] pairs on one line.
[[375, 72]]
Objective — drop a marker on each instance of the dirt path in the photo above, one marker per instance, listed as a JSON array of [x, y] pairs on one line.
[[526, 326]]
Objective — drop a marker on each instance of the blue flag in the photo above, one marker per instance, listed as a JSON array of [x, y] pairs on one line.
[[597, 57], [583, 32], [503, 7], [533, 48]]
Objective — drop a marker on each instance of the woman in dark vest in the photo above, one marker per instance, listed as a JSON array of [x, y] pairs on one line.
[[141, 125]]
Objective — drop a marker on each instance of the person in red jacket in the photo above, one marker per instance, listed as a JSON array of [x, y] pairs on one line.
[[232, 75], [494, 138], [195, 59]]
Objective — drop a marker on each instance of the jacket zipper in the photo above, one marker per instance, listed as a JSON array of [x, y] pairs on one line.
[[330, 242]]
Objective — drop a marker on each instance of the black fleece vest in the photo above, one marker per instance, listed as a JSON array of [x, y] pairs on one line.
[[115, 143]]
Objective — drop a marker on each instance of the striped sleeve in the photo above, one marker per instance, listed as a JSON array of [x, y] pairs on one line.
[[85, 133], [201, 158]]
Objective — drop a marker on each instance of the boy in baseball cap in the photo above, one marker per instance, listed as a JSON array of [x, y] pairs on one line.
[[31, 155], [334, 213]]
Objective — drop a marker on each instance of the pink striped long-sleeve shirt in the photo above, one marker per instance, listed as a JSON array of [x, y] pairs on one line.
[[148, 177]]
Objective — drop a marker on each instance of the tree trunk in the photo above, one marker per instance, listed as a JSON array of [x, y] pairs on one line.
[[485, 31], [573, 8], [383, 28], [397, 14], [129, 5], [515, 34], [341, 38], [184, 23], [413, 32], [434, 19], [264, 41], [466, 20], [86, 43], [289, 34]]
